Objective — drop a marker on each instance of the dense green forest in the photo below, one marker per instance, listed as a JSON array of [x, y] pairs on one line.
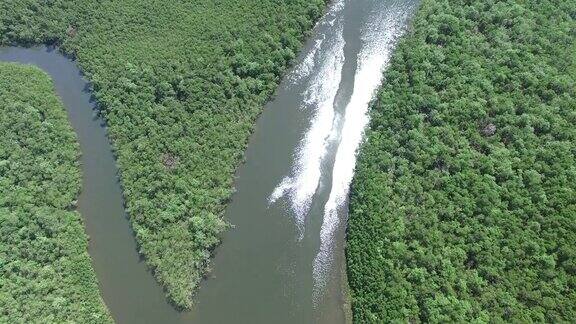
[[180, 84], [463, 207], [45, 269]]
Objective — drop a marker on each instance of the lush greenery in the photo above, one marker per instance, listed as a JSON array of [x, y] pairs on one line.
[[463, 206], [180, 84], [45, 269]]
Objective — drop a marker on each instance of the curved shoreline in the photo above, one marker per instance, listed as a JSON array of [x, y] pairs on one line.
[[263, 273], [101, 203], [39, 143]]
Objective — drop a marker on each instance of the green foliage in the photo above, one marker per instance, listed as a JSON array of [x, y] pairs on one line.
[[45, 270], [180, 84], [463, 207]]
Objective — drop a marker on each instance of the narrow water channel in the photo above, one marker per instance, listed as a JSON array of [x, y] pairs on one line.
[[283, 262], [129, 290]]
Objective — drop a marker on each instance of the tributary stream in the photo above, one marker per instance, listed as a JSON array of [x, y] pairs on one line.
[[283, 262]]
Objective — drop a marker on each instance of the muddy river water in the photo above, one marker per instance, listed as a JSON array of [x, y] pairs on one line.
[[283, 262]]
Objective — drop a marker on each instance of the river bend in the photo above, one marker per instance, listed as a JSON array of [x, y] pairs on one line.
[[283, 261]]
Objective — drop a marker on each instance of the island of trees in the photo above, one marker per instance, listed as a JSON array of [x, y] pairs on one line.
[[180, 84], [463, 208], [45, 269]]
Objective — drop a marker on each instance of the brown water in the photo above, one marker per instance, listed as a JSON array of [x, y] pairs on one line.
[[129, 290], [268, 268]]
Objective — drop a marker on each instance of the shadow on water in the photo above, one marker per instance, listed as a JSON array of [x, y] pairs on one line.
[[128, 288]]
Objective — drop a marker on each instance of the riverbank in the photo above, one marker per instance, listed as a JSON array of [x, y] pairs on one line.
[[45, 270], [180, 91], [126, 285]]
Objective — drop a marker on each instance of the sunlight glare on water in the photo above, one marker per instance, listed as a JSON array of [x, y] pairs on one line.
[[339, 74], [379, 34], [319, 96], [378, 37]]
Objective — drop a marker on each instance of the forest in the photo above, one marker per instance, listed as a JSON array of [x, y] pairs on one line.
[[45, 269], [463, 207], [180, 90]]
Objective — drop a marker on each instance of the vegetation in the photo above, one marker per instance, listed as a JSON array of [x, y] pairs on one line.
[[464, 203], [180, 84], [45, 269]]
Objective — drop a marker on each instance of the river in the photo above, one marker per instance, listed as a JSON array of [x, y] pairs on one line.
[[283, 262]]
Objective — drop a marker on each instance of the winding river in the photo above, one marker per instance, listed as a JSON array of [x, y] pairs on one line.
[[283, 262]]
